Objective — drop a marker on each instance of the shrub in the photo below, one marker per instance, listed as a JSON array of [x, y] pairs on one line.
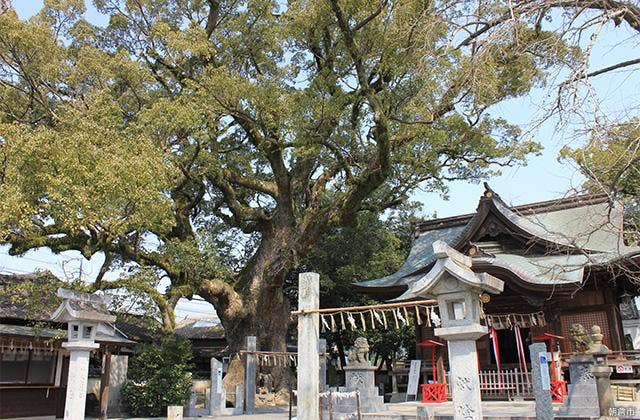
[[158, 376]]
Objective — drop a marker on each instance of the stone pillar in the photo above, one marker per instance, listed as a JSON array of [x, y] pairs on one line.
[[465, 379], [541, 381], [322, 350], [216, 395], [117, 378], [239, 406], [250, 370], [308, 337], [78, 374], [602, 372], [191, 410], [105, 383]]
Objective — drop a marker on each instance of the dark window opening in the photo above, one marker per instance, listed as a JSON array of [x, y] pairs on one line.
[[508, 347], [28, 367]]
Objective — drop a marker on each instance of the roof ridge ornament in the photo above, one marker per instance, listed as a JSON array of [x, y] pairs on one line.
[[488, 192]]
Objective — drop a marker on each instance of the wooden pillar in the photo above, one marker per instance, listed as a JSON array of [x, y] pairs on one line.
[[105, 377], [442, 376]]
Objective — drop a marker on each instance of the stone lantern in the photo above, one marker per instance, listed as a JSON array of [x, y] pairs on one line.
[[82, 312], [457, 289]]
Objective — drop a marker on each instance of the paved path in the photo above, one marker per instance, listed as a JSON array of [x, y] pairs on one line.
[[407, 410]]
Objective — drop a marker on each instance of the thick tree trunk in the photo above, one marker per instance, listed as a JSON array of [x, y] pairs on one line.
[[269, 322], [264, 312]]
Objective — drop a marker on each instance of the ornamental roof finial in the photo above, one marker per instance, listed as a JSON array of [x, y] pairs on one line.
[[488, 192]]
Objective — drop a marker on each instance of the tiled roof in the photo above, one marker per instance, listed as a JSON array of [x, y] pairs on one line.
[[104, 334], [582, 231], [199, 329]]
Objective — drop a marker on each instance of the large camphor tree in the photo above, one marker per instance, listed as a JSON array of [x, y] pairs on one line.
[[211, 143]]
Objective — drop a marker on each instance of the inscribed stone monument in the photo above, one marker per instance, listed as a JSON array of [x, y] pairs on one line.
[[217, 398], [541, 381]]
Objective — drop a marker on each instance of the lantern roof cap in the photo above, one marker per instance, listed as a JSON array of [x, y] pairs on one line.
[[455, 264], [78, 306]]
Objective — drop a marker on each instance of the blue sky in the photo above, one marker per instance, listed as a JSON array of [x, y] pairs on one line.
[[543, 178]]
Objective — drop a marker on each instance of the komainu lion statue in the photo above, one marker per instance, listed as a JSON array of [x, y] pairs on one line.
[[359, 353], [580, 338]]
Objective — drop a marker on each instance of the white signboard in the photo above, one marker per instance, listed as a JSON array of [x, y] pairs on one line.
[[624, 369], [219, 380], [544, 371], [414, 376]]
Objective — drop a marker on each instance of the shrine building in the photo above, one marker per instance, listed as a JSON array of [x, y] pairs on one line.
[[562, 261]]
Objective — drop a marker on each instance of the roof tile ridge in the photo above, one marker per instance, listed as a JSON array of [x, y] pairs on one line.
[[527, 209]]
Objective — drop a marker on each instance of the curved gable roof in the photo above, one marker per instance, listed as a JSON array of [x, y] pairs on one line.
[[577, 231]]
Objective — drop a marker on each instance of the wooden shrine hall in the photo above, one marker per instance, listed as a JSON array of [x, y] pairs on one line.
[[562, 261]]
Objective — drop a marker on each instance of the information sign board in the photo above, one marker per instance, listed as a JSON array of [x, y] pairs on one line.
[[414, 376]]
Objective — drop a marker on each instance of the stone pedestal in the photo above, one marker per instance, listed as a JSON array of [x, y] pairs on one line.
[[582, 392], [79, 353], [361, 379]]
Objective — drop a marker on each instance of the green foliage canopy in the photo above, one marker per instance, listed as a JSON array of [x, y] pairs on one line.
[[179, 127]]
